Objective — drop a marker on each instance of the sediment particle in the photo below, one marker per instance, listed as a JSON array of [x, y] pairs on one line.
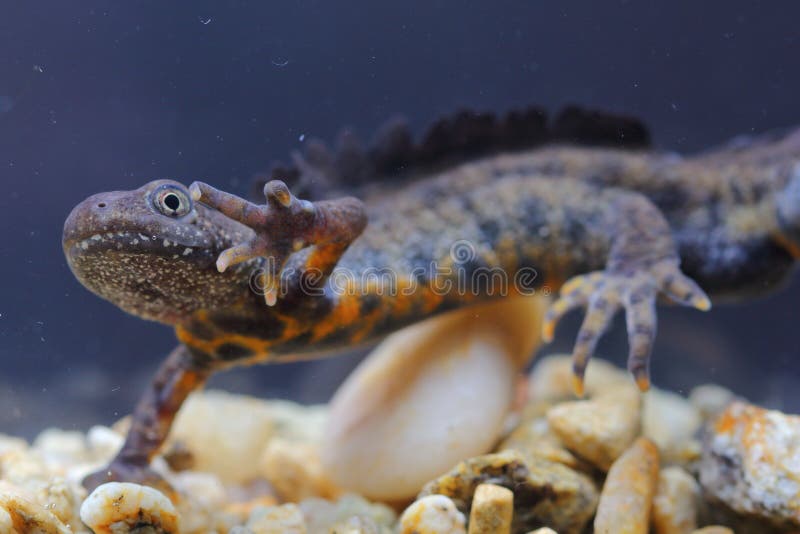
[[627, 495], [492, 510], [432, 514], [120, 507], [675, 502], [598, 429]]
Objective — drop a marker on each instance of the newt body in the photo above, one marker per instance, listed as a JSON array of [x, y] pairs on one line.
[[245, 283]]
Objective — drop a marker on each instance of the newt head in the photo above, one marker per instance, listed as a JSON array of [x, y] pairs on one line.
[[152, 251]]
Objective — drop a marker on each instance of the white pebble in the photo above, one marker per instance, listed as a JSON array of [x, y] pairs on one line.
[[118, 507], [434, 514]]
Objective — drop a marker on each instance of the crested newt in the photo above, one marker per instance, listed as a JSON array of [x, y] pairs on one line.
[[581, 203]]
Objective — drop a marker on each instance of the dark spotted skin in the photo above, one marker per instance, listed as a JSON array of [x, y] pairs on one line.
[[609, 227]]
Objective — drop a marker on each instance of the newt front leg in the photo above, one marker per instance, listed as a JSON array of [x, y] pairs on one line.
[[286, 224], [180, 374]]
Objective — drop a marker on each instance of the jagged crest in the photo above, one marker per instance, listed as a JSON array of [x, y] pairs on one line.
[[466, 135]]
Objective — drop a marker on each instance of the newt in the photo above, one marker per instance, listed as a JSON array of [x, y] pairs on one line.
[[582, 203]]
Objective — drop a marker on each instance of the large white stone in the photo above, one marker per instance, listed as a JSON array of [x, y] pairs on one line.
[[429, 396]]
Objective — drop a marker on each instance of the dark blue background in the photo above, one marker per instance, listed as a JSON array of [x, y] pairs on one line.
[[98, 95]]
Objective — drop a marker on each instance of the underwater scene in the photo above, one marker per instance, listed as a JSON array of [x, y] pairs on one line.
[[424, 267]]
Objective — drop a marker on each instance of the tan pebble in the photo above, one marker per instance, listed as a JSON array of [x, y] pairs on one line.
[[321, 515], [18, 509], [551, 378], [11, 443], [284, 519], [119, 507], [22, 466], [356, 524], [599, 429], [60, 499], [627, 495], [670, 421], [711, 399], [225, 433], [714, 529], [675, 502], [295, 471], [492, 509], [61, 449], [244, 509], [427, 397], [533, 436], [566, 500], [751, 463], [434, 514], [6, 523]]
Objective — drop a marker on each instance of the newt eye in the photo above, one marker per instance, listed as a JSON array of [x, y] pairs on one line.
[[171, 201]]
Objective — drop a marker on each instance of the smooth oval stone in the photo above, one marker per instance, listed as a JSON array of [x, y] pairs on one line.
[[428, 397]]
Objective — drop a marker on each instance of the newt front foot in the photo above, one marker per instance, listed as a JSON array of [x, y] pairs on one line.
[[603, 293], [119, 471], [285, 224]]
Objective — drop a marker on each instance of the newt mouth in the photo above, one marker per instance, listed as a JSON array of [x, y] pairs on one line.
[[129, 242]]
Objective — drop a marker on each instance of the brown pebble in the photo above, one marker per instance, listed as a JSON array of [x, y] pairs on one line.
[[492, 508], [627, 495]]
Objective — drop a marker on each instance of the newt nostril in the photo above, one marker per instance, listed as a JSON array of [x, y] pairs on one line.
[[101, 205]]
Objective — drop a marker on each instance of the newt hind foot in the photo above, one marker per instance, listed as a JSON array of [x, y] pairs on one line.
[[603, 293]]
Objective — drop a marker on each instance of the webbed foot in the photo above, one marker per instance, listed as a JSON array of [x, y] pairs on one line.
[[285, 224], [602, 293]]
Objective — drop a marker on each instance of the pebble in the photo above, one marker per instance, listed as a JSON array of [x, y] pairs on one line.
[[428, 397], [714, 529], [543, 530], [533, 436], [357, 524], [225, 433], [551, 378], [627, 495], [294, 470], [711, 400], [321, 514], [121, 507], [671, 422], [492, 509], [103, 442], [545, 493], [751, 463], [432, 514], [283, 519], [675, 502], [20, 513], [599, 429]]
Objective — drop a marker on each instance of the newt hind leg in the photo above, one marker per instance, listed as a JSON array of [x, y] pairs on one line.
[[642, 264]]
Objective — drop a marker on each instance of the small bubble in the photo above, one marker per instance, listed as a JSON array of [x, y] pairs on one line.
[[301, 138]]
